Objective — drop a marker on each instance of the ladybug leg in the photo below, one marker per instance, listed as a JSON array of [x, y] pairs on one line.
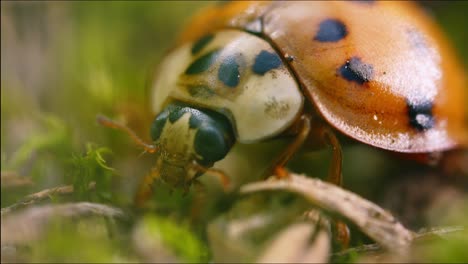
[[105, 121], [224, 179], [334, 172], [278, 165], [145, 189], [343, 235], [199, 201]]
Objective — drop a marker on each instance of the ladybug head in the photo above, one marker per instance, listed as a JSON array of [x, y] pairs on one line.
[[188, 138]]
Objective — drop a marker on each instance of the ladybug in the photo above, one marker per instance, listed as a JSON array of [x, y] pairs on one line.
[[381, 73]]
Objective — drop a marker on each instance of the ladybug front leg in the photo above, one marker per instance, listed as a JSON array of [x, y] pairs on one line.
[[278, 166], [105, 121], [224, 179], [145, 189]]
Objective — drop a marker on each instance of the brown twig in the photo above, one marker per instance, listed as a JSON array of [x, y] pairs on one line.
[[29, 224], [370, 218], [41, 196], [431, 233], [10, 179]]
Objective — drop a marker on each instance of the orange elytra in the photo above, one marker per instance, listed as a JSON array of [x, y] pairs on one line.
[[387, 75]]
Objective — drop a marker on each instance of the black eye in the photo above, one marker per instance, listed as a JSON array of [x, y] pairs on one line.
[[214, 135], [211, 143], [158, 123]]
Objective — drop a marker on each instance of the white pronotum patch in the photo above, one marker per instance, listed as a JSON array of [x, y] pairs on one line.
[[259, 107]]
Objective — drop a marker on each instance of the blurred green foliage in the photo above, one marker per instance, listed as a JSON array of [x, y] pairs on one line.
[[63, 62], [79, 242], [92, 167], [177, 238]]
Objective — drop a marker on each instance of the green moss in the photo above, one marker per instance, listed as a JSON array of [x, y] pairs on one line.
[[177, 237], [52, 136], [446, 251], [92, 167]]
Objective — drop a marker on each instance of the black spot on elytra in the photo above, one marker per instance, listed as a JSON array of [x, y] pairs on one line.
[[201, 43], [331, 30], [228, 72], [203, 63], [355, 70], [420, 115], [266, 61]]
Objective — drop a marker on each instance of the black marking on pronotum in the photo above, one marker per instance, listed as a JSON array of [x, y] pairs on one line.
[[201, 43], [202, 63], [331, 30], [200, 91], [266, 61], [420, 115], [228, 72], [355, 70]]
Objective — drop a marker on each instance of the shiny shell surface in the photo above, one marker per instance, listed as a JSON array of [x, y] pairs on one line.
[[380, 72]]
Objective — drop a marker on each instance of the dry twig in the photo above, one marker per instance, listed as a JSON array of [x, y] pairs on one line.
[[29, 224], [436, 232], [370, 218], [10, 179], [41, 196]]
